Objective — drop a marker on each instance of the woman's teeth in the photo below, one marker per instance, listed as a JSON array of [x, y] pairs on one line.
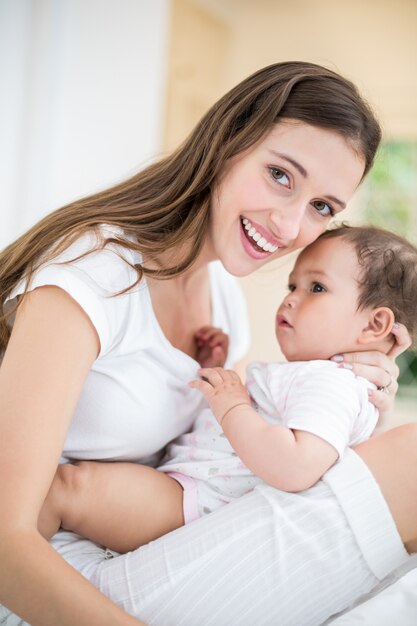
[[260, 241]]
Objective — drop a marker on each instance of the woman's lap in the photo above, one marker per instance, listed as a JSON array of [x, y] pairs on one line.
[[269, 558]]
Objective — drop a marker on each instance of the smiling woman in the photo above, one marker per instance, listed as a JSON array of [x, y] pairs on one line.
[[103, 303], [282, 192]]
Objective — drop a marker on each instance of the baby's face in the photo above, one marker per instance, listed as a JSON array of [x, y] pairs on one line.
[[319, 317]]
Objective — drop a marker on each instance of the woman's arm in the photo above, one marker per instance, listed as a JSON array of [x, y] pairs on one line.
[[50, 353]]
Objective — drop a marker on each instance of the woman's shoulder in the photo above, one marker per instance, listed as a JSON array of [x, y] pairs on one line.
[[92, 269], [95, 264], [99, 241], [100, 256]]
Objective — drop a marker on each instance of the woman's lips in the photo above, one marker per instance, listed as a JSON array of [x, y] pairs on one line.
[[258, 242]]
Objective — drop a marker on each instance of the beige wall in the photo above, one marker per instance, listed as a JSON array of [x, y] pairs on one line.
[[374, 42], [215, 43], [199, 48]]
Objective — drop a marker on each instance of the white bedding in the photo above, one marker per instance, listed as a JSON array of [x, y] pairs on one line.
[[394, 602]]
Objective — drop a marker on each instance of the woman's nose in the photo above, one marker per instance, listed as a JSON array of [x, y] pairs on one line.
[[287, 221]]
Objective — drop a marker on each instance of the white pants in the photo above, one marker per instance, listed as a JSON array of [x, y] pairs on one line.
[[271, 558]]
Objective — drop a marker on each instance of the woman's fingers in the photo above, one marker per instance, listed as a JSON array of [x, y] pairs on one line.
[[382, 401], [374, 366], [376, 374], [379, 369], [402, 340]]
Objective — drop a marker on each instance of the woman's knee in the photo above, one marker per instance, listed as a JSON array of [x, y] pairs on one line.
[[392, 459], [73, 478], [402, 442], [393, 447], [70, 489]]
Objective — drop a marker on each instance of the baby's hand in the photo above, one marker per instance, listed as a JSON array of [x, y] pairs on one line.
[[212, 346], [222, 389]]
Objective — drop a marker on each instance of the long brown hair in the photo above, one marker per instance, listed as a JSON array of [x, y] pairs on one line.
[[168, 203]]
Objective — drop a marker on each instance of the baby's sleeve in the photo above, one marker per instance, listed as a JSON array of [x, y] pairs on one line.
[[325, 402]]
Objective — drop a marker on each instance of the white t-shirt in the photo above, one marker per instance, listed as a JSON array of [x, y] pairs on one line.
[[317, 397], [135, 399]]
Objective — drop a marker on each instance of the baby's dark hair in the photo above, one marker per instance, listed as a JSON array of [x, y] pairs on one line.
[[389, 271]]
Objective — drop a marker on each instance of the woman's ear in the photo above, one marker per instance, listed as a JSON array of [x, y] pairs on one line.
[[380, 322]]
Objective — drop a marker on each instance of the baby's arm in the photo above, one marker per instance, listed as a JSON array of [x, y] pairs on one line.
[[291, 460], [119, 505]]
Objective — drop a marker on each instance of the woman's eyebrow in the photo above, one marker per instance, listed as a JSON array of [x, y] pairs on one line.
[[304, 174], [297, 165], [339, 202]]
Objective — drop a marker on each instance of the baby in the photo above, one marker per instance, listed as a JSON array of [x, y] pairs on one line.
[[288, 425]]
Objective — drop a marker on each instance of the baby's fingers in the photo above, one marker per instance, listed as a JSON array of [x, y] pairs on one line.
[[203, 386]]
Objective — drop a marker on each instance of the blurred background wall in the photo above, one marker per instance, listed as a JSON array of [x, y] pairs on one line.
[[216, 43], [82, 98], [91, 90]]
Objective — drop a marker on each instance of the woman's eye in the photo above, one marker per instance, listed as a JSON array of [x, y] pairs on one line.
[[279, 176], [323, 208], [317, 288]]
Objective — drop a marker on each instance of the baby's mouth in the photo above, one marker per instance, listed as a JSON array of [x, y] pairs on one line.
[[283, 322]]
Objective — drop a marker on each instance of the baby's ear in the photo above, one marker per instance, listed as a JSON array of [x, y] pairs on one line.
[[380, 322]]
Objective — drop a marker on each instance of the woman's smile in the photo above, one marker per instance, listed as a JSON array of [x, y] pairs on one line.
[[280, 194], [261, 241]]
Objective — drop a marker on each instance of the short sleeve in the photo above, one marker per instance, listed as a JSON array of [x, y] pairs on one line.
[[325, 402], [92, 281]]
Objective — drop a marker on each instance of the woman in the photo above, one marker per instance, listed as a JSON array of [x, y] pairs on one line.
[[96, 368]]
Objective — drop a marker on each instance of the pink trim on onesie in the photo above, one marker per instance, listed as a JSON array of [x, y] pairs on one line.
[[190, 503]]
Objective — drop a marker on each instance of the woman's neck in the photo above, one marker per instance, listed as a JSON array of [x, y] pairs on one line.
[[173, 257]]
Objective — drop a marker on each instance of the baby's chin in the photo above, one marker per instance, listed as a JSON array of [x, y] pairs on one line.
[[315, 350], [305, 355]]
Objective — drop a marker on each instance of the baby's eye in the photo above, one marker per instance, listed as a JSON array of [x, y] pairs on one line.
[[291, 287], [279, 176], [323, 208], [318, 288]]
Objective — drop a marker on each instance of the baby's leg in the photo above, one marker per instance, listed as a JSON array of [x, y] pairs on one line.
[[119, 505]]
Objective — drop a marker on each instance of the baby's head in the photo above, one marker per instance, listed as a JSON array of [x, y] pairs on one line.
[[347, 289]]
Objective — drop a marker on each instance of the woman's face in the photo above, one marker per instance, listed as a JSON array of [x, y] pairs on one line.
[[280, 195]]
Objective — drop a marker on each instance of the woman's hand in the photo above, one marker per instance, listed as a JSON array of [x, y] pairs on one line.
[[379, 369], [222, 389]]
